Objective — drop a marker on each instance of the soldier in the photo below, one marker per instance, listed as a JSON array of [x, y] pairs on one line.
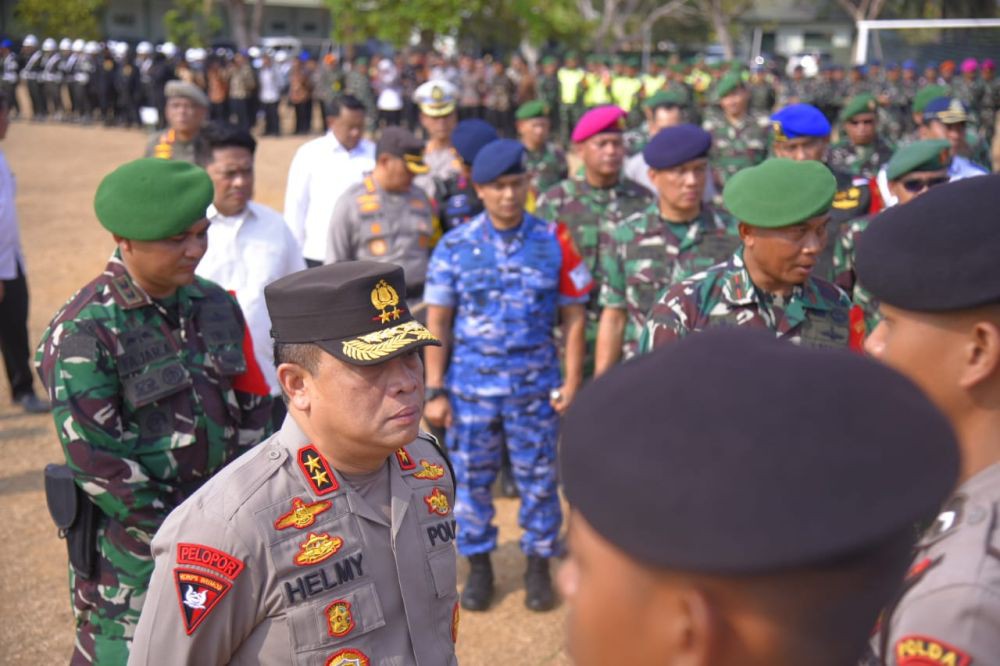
[[455, 197], [861, 151], [50, 77], [358, 84], [386, 217], [675, 236], [783, 207], [154, 389], [597, 82], [913, 170], [545, 161], [990, 102], [31, 73], [438, 117], [187, 109], [753, 581], [921, 99], [666, 108], [762, 93], [947, 118], [570, 77], [894, 98], [655, 78], [948, 610], [739, 138], [594, 203], [548, 91], [496, 288], [797, 89]]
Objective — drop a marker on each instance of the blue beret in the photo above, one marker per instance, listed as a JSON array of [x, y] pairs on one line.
[[930, 65], [910, 64], [798, 120], [6, 44], [753, 492], [937, 253], [471, 135], [676, 145], [498, 158]]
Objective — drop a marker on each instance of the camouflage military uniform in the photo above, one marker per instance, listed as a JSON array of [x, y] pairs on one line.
[[816, 314], [647, 253], [546, 166], [899, 98], [591, 213], [862, 161], [844, 276], [988, 109], [636, 139], [735, 146], [796, 92], [548, 90], [148, 399], [971, 94], [357, 84], [852, 200], [762, 95]]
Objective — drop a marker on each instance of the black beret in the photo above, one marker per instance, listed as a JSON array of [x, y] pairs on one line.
[[676, 145], [731, 452], [355, 310], [938, 252]]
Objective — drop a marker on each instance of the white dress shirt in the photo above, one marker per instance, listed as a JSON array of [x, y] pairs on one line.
[[10, 238], [247, 252], [321, 170]]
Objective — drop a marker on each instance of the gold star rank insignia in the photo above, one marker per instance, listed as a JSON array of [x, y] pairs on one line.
[[317, 471]]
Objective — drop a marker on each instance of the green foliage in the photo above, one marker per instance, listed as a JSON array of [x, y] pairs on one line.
[[58, 18], [190, 23]]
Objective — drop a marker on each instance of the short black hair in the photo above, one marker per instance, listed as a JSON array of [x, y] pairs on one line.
[[346, 102], [305, 355], [227, 135]]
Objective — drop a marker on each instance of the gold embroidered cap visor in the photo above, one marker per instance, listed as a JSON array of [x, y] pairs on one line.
[[355, 310]]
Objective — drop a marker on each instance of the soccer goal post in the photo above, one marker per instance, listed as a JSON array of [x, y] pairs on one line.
[[926, 40]]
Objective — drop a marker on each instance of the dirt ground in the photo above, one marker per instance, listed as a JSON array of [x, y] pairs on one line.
[[58, 169]]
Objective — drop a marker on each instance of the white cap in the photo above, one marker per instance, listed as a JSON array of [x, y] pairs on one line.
[[65, 44], [168, 49], [91, 48], [281, 56], [436, 97], [144, 48], [49, 44], [253, 51], [121, 50], [78, 45], [30, 40], [389, 100]]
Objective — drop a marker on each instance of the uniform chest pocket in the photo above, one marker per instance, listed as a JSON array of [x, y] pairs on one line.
[[223, 337], [156, 382], [336, 618], [443, 571]]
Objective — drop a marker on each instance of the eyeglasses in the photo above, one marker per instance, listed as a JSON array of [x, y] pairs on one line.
[[915, 185]]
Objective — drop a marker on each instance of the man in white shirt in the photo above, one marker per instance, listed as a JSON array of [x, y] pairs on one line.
[[14, 290], [320, 172], [249, 245]]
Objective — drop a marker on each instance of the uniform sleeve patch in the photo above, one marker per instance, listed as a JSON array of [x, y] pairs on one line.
[[348, 657], [198, 594], [916, 650], [437, 502], [210, 558]]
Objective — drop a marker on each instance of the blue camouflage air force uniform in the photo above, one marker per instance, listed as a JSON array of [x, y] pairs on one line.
[[505, 289]]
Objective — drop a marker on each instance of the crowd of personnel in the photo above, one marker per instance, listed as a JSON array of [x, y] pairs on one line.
[[440, 260]]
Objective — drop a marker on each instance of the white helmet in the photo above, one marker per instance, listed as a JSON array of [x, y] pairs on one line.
[[78, 45], [90, 48], [30, 40], [65, 44], [49, 44], [168, 49], [121, 50], [143, 48], [281, 56], [253, 51]]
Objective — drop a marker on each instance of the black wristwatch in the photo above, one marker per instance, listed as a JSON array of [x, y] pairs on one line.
[[432, 392]]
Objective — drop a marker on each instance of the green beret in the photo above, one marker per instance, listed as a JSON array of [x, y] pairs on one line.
[[152, 199], [631, 61], [728, 84], [672, 96], [572, 54], [677, 67], [931, 155], [926, 95], [660, 60], [536, 108], [780, 192], [863, 103], [549, 60], [593, 58]]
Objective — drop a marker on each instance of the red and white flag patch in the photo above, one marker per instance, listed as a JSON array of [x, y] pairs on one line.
[[575, 279]]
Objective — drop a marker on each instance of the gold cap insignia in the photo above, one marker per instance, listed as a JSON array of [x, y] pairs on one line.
[[437, 94], [316, 548], [779, 133], [385, 297]]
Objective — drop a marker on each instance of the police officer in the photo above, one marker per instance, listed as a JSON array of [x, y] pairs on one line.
[[438, 117], [947, 118], [50, 77], [186, 111], [340, 547], [783, 207], [674, 237], [949, 608], [721, 533], [545, 161], [31, 73], [154, 388], [496, 287], [861, 151], [455, 196], [386, 217]]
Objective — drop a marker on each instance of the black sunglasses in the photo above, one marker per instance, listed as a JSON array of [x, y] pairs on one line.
[[919, 184]]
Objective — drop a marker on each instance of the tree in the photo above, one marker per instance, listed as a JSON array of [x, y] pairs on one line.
[[61, 17], [618, 23], [720, 13], [192, 23], [862, 10]]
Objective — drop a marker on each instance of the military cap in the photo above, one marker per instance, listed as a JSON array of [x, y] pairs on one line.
[[355, 310], [469, 136], [549, 60], [926, 94], [400, 142], [937, 253], [436, 97], [762, 489], [677, 67], [910, 65], [599, 120], [151, 199], [631, 61], [947, 66], [593, 59], [670, 96], [659, 60], [947, 110], [728, 84], [676, 145], [536, 108], [863, 103], [989, 64], [780, 192], [572, 54], [797, 120], [502, 157], [930, 155], [177, 88]]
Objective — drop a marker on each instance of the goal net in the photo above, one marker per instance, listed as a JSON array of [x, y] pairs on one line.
[[926, 41]]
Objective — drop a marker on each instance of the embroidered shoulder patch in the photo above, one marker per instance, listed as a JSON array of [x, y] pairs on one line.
[[915, 650], [302, 515], [348, 657], [198, 595], [429, 471], [316, 470], [437, 502], [210, 558]]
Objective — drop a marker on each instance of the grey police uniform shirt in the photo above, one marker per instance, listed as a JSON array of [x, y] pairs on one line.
[[949, 612], [280, 560], [443, 164], [371, 223]]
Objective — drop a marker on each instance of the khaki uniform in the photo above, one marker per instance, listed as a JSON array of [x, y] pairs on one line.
[[281, 559], [165, 146], [949, 611], [371, 223]]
